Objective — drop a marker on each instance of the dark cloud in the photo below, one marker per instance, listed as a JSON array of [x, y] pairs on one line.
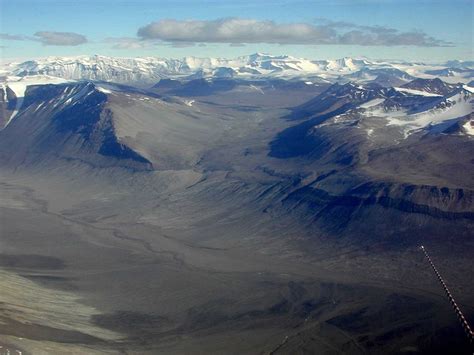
[[49, 38], [241, 31]]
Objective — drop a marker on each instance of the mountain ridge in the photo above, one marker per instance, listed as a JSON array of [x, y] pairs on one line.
[[149, 70]]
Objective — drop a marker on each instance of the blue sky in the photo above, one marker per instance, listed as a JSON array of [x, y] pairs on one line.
[[403, 29]]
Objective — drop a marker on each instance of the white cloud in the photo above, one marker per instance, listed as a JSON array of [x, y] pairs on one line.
[[241, 31]]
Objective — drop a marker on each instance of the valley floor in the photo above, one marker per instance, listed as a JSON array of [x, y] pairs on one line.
[[85, 278]]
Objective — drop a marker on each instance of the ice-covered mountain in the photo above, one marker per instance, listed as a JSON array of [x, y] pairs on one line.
[[100, 68], [386, 115], [149, 70]]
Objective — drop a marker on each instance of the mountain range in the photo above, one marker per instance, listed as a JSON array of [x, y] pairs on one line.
[[151, 69]]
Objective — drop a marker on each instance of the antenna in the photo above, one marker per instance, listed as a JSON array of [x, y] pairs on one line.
[[462, 320]]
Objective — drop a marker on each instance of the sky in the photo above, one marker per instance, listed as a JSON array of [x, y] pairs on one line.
[[414, 30]]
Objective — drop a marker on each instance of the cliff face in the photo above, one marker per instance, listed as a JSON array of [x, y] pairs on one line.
[[426, 200], [364, 168], [8, 102], [66, 122]]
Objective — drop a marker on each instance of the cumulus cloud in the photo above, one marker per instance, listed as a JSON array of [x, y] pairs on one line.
[[230, 30], [241, 31], [49, 38]]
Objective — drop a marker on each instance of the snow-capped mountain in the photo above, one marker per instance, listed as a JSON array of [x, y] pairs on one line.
[[100, 68], [149, 70], [389, 114], [426, 105]]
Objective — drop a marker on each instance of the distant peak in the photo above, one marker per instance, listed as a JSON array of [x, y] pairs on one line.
[[259, 54]]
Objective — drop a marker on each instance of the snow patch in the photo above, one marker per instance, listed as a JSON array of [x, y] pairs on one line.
[[468, 88], [257, 89], [371, 103], [104, 90], [416, 92], [469, 128], [4, 88]]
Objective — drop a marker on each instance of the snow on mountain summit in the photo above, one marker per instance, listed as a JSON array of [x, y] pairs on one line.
[[147, 70], [152, 69]]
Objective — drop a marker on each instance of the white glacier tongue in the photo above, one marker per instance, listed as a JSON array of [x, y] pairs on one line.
[[416, 92]]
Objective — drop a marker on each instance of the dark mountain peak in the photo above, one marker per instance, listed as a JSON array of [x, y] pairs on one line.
[[389, 80], [68, 121], [432, 86], [60, 94], [339, 98], [463, 72], [393, 72], [168, 84], [469, 64], [355, 91], [195, 87]]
